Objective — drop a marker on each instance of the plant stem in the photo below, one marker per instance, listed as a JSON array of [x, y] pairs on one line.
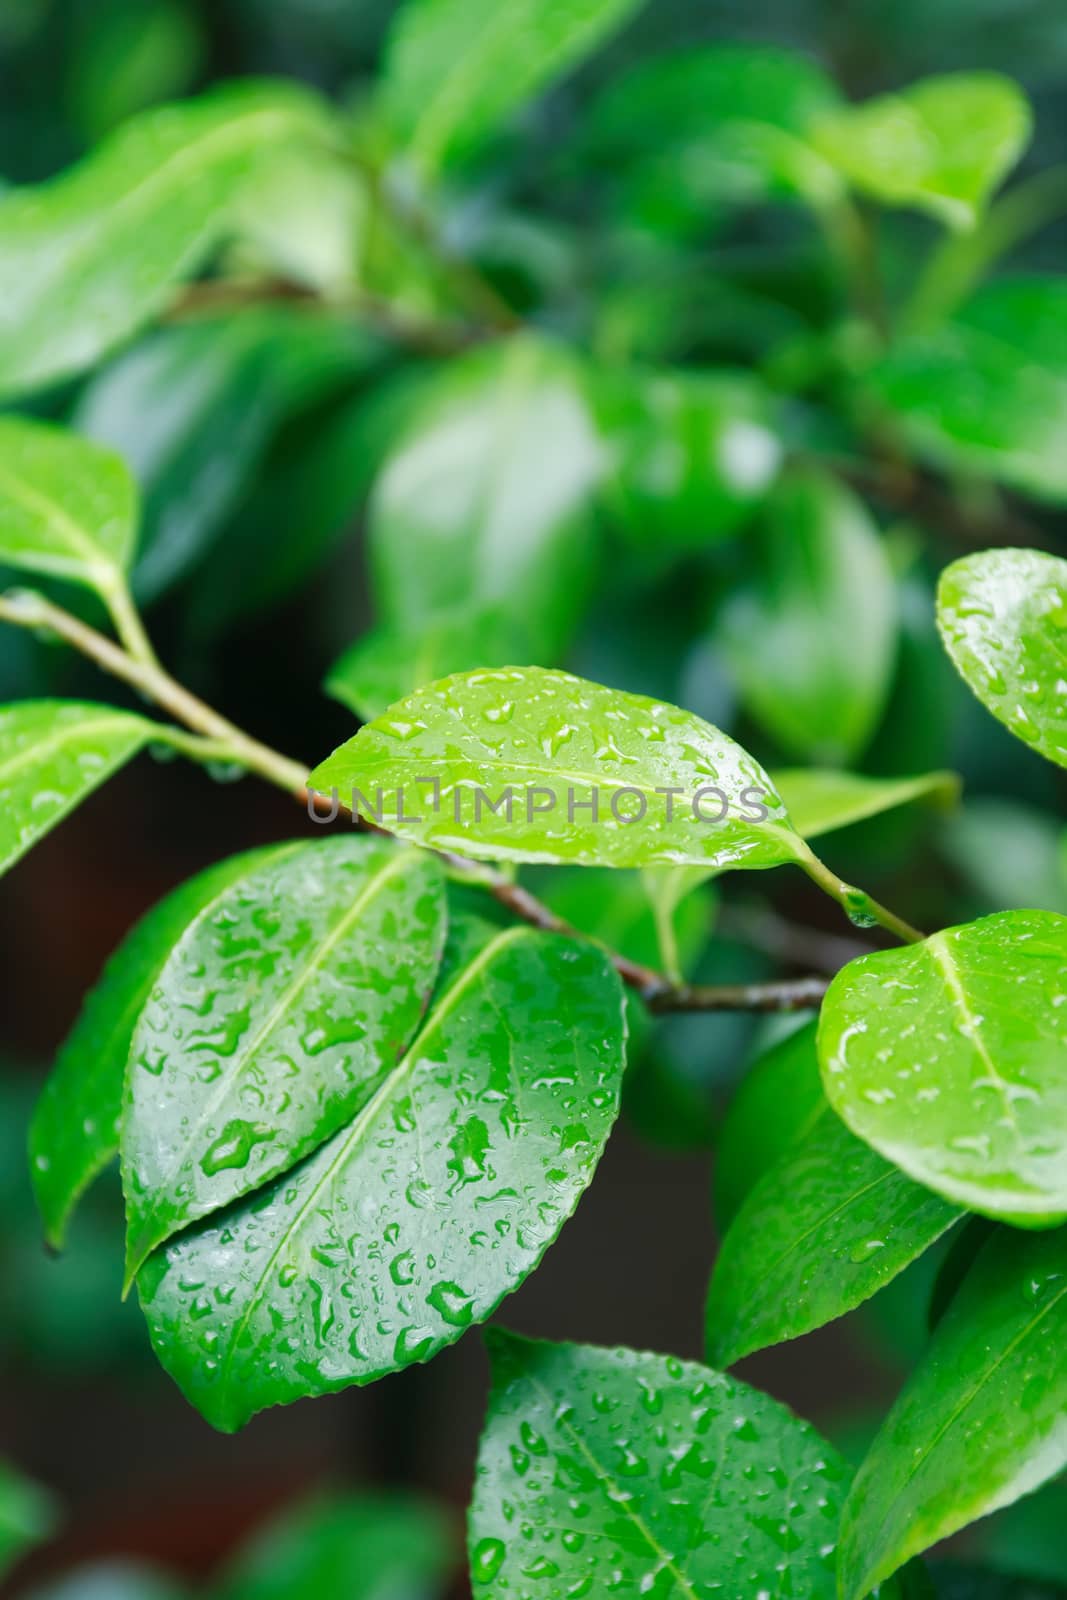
[[861, 908], [213, 738], [128, 625]]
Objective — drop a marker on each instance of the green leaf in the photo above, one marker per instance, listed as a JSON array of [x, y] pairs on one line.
[[943, 145], [946, 1056], [979, 1423], [643, 1474], [1003, 619], [456, 69], [807, 672], [53, 753], [695, 453], [484, 503], [779, 1099], [820, 800], [282, 1009], [26, 1515], [89, 257], [436, 1201], [986, 393], [1011, 854], [359, 1546], [824, 1230], [556, 742], [74, 1133], [67, 508], [388, 663]]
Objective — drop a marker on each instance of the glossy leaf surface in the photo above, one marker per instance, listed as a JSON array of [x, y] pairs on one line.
[[779, 1099], [947, 1055], [607, 1471], [811, 678], [414, 1221], [980, 1422], [52, 754], [555, 741], [822, 1231], [94, 253], [455, 69], [943, 144], [360, 1546], [67, 508], [1003, 618], [74, 1133], [280, 1012], [483, 503]]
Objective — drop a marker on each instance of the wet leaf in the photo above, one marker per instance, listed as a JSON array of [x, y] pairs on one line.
[[643, 1474], [943, 145], [359, 1546], [67, 507], [1003, 619], [484, 503], [74, 1133], [668, 787], [815, 681], [456, 69], [282, 1009], [416, 1219], [979, 1423], [827, 1227], [52, 754], [90, 256], [947, 1056]]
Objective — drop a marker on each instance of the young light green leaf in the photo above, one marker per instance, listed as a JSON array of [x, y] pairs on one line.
[[820, 800], [986, 394], [281, 1010], [415, 1220], [67, 507], [821, 1232], [388, 663], [980, 1422], [359, 1546], [26, 1515], [811, 677], [1003, 619], [779, 1099], [483, 505], [946, 1056], [643, 1474], [52, 754], [90, 256], [74, 1133], [665, 786], [943, 145], [456, 69]]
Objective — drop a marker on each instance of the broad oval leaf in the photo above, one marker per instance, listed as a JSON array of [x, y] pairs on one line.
[[942, 145], [979, 1423], [75, 1129], [52, 754], [824, 1230], [67, 507], [813, 678], [484, 503], [281, 1010], [611, 1471], [667, 786], [1003, 618], [359, 1546], [987, 392], [779, 1099], [88, 257], [415, 1220], [455, 69], [947, 1056]]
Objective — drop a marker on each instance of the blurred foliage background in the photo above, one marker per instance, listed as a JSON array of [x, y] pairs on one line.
[[698, 325]]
